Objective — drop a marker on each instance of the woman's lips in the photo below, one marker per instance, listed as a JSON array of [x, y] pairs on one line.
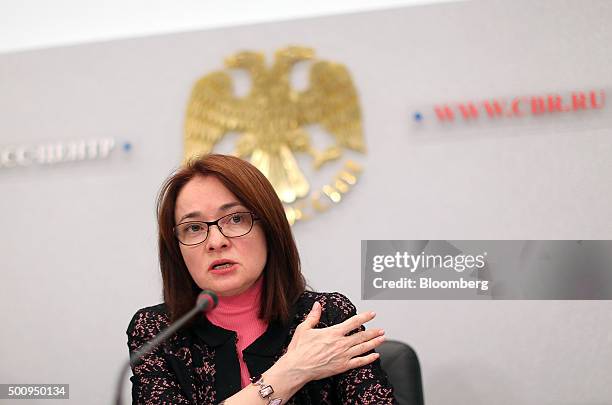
[[224, 270], [220, 262]]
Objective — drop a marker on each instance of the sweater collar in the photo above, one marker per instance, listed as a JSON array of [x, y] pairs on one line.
[[267, 345], [233, 310]]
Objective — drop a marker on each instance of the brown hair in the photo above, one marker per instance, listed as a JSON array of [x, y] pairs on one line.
[[283, 279]]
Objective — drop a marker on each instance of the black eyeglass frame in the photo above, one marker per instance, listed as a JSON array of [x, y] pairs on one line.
[[216, 222]]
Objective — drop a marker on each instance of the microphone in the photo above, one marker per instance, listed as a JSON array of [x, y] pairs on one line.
[[206, 301]]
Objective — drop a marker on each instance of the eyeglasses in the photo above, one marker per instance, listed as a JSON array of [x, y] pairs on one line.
[[230, 225]]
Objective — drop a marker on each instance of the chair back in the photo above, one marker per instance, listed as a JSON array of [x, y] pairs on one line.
[[401, 364]]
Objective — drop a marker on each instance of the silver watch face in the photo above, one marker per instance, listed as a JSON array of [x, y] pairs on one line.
[[275, 401]]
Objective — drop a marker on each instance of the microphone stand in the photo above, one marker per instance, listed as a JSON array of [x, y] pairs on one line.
[[206, 301]]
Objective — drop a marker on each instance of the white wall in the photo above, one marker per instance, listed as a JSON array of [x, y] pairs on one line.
[[36, 24], [78, 241]]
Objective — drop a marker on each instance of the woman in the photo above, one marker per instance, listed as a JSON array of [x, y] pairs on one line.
[[223, 228]]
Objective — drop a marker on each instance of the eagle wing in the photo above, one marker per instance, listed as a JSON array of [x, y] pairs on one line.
[[331, 100], [213, 110]]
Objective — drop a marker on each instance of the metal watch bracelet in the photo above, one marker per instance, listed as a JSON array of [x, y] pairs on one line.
[[265, 390]]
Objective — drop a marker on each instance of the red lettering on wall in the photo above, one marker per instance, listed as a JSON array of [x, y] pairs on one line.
[[493, 108], [444, 113], [537, 105], [516, 107], [468, 111], [578, 101], [555, 103]]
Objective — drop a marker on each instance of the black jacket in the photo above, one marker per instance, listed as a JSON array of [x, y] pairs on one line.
[[199, 364]]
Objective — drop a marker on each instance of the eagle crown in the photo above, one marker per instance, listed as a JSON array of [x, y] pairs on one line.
[[277, 77]]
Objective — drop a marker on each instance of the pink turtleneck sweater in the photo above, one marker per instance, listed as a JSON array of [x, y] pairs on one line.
[[239, 313]]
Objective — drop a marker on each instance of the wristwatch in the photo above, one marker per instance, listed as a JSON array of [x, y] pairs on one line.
[[265, 390]]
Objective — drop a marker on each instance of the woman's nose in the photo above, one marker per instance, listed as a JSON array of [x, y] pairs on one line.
[[216, 240]]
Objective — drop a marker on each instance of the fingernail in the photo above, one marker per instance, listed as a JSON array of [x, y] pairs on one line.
[[376, 355], [315, 305], [381, 332], [373, 313]]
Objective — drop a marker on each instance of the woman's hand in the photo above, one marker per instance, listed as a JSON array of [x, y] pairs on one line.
[[314, 354], [319, 353]]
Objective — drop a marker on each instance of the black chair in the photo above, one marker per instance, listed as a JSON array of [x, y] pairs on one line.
[[402, 366]]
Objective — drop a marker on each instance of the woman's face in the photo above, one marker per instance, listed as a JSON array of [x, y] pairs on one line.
[[207, 199]]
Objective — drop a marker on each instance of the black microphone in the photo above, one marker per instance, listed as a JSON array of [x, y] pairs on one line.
[[206, 301]]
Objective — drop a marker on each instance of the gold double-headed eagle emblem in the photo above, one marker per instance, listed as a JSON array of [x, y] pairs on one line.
[[271, 118]]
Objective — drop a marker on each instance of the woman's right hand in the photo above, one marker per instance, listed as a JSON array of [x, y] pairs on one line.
[[314, 354]]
